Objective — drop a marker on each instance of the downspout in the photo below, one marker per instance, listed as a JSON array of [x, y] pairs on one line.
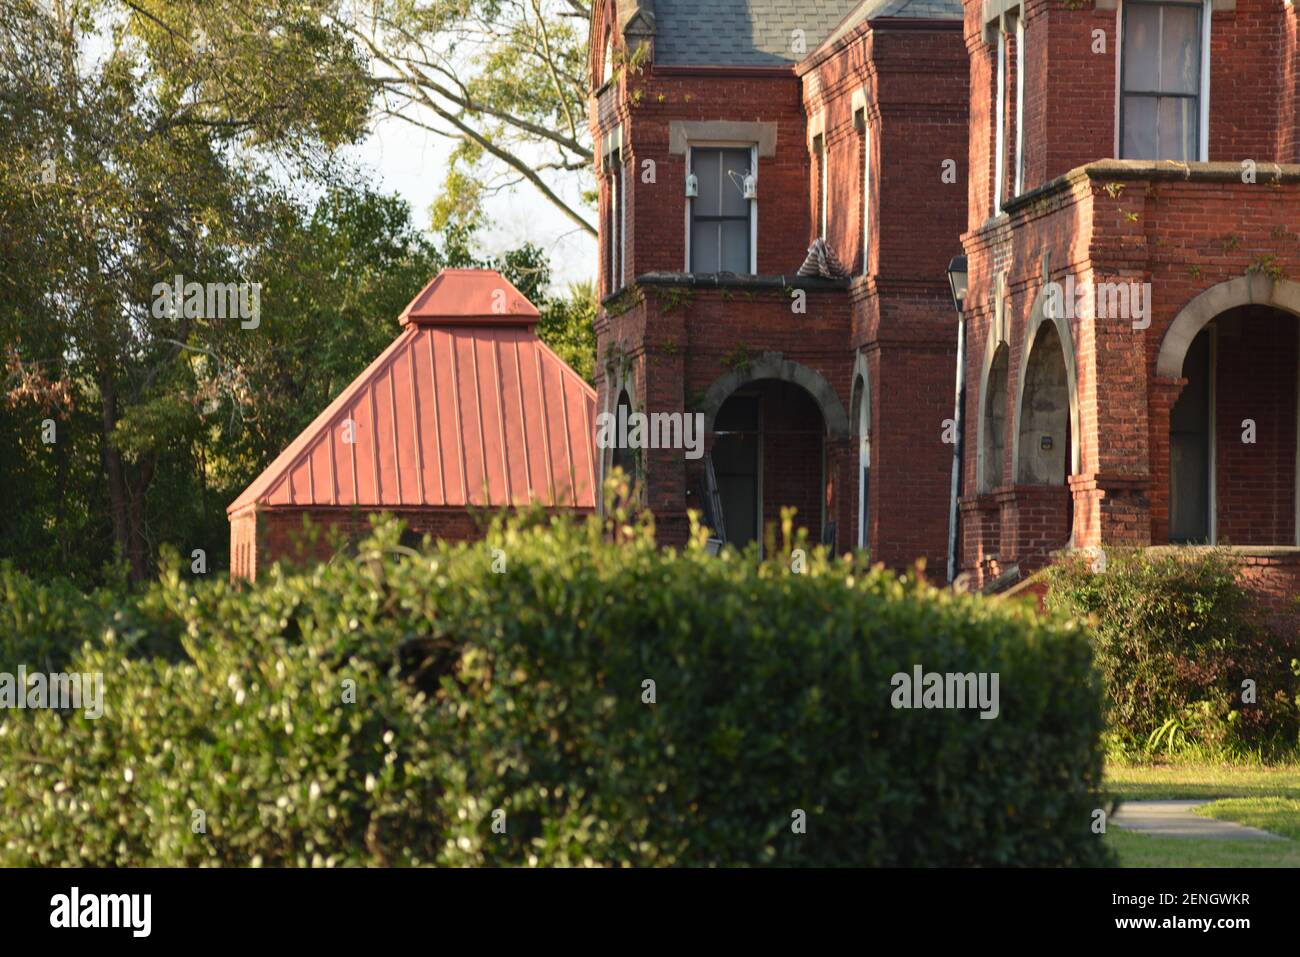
[[957, 446]]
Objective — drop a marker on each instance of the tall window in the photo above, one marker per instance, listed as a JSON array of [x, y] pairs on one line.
[[1018, 181], [721, 216], [616, 225], [865, 129], [1000, 121], [1009, 58], [864, 463], [607, 67], [1160, 78], [819, 156], [623, 457]]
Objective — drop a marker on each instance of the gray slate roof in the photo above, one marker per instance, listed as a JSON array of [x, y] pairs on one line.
[[760, 32]]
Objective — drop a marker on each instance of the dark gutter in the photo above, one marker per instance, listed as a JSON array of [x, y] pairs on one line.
[[704, 69]]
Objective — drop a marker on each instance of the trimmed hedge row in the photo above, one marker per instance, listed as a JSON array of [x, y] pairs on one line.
[[399, 708], [1176, 635]]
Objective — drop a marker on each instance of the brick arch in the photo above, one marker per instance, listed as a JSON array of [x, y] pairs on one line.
[[774, 365], [1252, 289]]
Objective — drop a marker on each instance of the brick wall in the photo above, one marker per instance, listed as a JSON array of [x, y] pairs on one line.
[[258, 539], [656, 211]]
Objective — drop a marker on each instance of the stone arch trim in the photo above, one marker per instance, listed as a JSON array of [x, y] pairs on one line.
[[774, 365], [1252, 289], [1037, 316]]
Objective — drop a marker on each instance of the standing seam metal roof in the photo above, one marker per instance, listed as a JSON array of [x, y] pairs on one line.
[[466, 408]]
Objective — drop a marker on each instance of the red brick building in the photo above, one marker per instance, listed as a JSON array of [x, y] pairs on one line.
[[1123, 179], [730, 135], [466, 413], [1145, 154]]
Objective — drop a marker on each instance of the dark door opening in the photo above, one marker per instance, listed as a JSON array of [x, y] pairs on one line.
[[1189, 449], [736, 463]]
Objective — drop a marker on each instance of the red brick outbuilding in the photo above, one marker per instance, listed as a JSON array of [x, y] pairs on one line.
[[467, 410]]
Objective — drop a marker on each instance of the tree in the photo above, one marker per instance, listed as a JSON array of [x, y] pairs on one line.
[[504, 80], [139, 143], [131, 154]]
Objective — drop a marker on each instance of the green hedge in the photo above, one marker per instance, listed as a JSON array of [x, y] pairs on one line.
[[519, 689], [1176, 636]]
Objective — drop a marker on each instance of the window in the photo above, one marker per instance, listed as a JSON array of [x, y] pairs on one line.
[[623, 457], [864, 463], [616, 226], [1019, 179], [1000, 120], [861, 120], [721, 218], [607, 66], [1161, 76], [1009, 58], [819, 156]]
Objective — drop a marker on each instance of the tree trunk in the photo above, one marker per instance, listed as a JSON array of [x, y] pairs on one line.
[[126, 499]]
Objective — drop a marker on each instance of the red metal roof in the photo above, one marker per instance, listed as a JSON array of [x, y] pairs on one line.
[[464, 408], [470, 295]]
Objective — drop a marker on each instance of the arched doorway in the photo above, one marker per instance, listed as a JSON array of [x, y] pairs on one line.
[[1234, 432], [771, 419], [768, 455]]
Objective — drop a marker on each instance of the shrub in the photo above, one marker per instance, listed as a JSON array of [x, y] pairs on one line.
[[504, 683], [43, 625], [1176, 635]]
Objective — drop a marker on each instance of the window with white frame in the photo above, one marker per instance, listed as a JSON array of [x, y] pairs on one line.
[[1162, 80], [722, 215], [864, 128], [1018, 182]]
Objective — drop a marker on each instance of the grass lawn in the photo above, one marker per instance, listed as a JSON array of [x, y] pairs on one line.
[[1259, 796]]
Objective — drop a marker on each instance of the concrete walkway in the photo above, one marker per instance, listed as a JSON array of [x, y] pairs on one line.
[[1175, 819]]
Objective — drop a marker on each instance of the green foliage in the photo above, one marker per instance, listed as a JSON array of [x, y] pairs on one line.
[[522, 690], [1176, 636]]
